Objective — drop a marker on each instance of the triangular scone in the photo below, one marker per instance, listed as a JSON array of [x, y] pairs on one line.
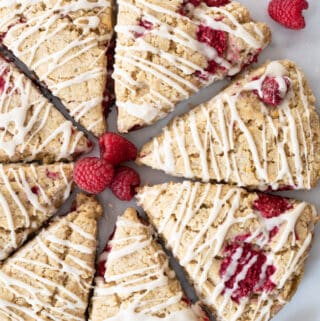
[[244, 252], [167, 50], [50, 277], [29, 196], [262, 132], [135, 281], [64, 43], [30, 126]]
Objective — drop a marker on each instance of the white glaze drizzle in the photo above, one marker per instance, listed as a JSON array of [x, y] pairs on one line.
[[39, 203], [142, 280], [216, 139], [42, 291], [154, 109], [198, 257], [19, 130], [82, 43]]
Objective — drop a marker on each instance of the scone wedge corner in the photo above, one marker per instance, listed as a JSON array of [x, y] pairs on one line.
[[50, 277], [244, 252], [31, 128], [135, 281], [64, 43], [29, 195], [168, 51], [261, 132]]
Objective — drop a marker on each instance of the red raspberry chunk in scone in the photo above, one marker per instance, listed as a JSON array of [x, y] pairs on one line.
[[271, 205], [273, 90], [2, 84], [245, 271], [145, 26]]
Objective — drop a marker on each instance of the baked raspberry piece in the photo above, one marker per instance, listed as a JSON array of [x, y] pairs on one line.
[[35, 190], [92, 174], [124, 183], [273, 90], [53, 175], [217, 39], [271, 205], [146, 25], [115, 149], [242, 271], [2, 83], [288, 12], [216, 3], [239, 269]]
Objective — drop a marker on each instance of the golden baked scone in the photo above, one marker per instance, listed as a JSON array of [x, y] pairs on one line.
[[261, 132], [30, 126], [244, 252], [167, 50], [135, 281], [64, 42], [50, 277], [29, 195]]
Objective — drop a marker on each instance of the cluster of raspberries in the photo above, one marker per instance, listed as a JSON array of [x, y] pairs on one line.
[[94, 174]]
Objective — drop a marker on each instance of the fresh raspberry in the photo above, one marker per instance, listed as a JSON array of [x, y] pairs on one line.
[[244, 257], [271, 205], [272, 92], [93, 174], [115, 149], [217, 39], [288, 12], [125, 181]]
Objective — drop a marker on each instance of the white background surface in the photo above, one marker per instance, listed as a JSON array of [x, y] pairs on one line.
[[303, 47]]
